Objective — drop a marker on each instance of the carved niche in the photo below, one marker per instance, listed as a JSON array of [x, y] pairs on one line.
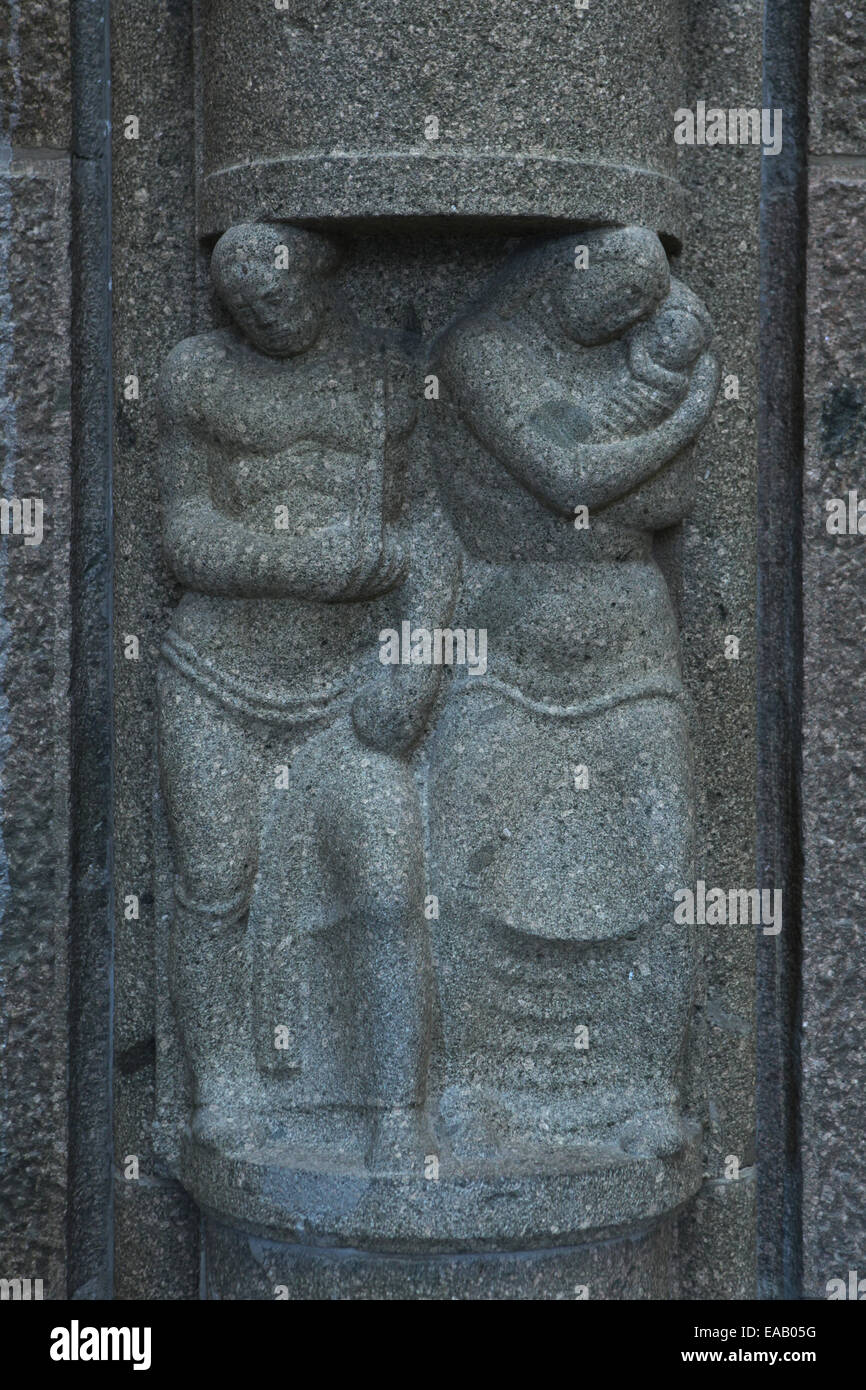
[[426, 792], [423, 747]]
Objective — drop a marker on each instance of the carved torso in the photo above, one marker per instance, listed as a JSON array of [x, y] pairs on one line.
[[309, 436], [305, 444], [571, 611]]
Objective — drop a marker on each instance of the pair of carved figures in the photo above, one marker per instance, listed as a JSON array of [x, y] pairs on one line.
[[421, 908]]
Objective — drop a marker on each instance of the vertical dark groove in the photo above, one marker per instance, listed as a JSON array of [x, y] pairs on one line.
[[91, 908], [780, 647]]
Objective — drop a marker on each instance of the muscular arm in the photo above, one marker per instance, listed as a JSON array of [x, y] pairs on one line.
[[508, 422], [214, 554]]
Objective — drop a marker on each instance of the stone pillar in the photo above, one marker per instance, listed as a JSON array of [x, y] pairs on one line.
[[833, 1017], [417, 320], [427, 567], [352, 111], [35, 725]]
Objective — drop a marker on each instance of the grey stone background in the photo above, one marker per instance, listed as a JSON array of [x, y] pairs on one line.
[[58, 1218], [834, 677], [160, 294], [715, 574], [35, 716]]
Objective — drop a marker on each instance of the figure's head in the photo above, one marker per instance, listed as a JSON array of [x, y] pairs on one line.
[[270, 278], [675, 338], [626, 276], [593, 284]]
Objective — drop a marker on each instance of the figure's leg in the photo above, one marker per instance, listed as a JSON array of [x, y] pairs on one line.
[[208, 768], [372, 841]]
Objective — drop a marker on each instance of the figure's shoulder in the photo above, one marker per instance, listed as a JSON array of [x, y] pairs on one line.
[[189, 369], [471, 338], [482, 347]]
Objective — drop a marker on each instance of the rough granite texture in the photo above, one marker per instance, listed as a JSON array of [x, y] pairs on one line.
[[716, 1221], [153, 296], [411, 284], [90, 956], [833, 1112], [714, 560], [156, 1248], [837, 99], [637, 1266], [34, 743], [35, 71], [783, 225], [834, 741], [307, 908], [541, 108], [35, 430]]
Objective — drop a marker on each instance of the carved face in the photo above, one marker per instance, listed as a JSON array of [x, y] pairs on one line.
[[625, 278], [270, 279], [281, 314]]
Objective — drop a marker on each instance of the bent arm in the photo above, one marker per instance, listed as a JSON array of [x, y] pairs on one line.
[[563, 476], [216, 554], [605, 472]]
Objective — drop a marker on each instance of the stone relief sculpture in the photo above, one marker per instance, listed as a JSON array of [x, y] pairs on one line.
[[284, 467], [569, 395], [319, 801]]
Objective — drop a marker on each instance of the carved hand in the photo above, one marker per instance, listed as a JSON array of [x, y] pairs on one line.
[[388, 570], [389, 711]]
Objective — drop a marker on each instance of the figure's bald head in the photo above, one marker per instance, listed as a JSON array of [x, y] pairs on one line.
[[269, 276]]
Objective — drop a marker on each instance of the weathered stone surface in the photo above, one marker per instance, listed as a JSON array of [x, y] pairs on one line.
[[637, 1266], [834, 801], [230, 417], [154, 305], [36, 72], [299, 903], [156, 1252], [837, 104], [473, 1008], [34, 744], [714, 563], [548, 405], [779, 653], [716, 1261], [544, 111]]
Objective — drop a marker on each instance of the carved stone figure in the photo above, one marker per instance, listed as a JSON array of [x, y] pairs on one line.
[[284, 462], [560, 784], [539, 799]]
